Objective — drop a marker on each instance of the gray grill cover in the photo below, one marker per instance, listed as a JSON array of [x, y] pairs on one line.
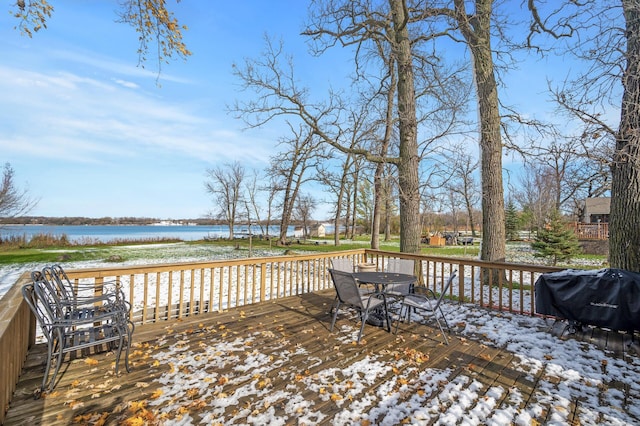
[[608, 298]]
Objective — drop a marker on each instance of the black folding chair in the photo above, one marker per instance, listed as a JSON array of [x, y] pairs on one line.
[[72, 327], [426, 301], [349, 294]]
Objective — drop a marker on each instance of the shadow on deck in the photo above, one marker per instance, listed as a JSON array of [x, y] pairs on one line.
[[277, 362]]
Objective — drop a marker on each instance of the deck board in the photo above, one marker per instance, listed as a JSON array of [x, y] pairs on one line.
[[293, 332]]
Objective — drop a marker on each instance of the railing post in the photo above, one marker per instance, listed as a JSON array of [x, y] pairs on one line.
[[263, 282]]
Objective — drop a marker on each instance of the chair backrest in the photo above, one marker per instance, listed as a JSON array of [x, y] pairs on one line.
[[346, 288], [46, 292], [56, 276], [445, 290], [343, 264], [41, 303], [401, 266]]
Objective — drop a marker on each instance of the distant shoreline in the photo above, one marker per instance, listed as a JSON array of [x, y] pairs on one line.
[[133, 232]]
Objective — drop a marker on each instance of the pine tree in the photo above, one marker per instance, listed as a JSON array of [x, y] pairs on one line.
[[556, 241], [511, 222]]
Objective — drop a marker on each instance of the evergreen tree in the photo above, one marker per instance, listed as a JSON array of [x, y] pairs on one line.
[[511, 222], [556, 241]]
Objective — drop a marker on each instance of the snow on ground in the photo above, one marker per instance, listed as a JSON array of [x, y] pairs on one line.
[[140, 255], [566, 372], [181, 252]]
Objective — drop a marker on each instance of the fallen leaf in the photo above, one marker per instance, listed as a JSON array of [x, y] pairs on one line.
[[137, 405], [74, 405]]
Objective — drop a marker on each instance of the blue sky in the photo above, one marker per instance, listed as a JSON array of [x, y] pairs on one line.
[[90, 133]]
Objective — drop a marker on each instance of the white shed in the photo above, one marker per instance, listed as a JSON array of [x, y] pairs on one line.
[[318, 230]]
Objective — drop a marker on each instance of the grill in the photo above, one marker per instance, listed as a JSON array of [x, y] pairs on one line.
[[606, 298]]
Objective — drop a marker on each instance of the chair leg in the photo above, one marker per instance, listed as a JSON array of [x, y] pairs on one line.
[[386, 313], [364, 321], [400, 317], [47, 368], [128, 343], [335, 315], [336, 301], [444, 335], [445, 319], [120, 343], [52, 383]]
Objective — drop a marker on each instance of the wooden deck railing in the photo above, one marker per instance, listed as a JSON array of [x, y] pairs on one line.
[[592, 231], [166, 291], [17, 334]]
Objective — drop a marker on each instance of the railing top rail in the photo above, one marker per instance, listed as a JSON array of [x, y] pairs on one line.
[[467, 261], [165, 267]]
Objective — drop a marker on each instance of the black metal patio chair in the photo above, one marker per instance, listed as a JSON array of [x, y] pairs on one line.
[[69, 328], [76, 294], [345, 264], [400, 266], [426, 301], [350, 295]]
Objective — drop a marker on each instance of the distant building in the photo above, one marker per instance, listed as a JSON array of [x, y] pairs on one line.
[[596, 210], [298, 232], [318, 230]]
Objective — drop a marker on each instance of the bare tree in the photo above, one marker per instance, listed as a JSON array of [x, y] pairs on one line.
[[463, 183], [366, 199], [289, 170], [389, 205], [226, 186], [304, 207], [14, 201], [606, 35], [536, 194], [254, 208], [573, 173], [341, 175], [356, 23]]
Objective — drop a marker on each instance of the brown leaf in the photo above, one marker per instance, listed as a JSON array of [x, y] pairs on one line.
[[90, 361]]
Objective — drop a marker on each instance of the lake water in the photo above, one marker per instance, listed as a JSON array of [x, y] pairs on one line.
[[106, 233]]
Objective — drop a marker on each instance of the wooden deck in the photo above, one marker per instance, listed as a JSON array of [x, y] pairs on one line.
[[274, 360]]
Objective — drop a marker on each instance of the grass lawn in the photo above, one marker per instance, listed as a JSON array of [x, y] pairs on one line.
[[123, 251]]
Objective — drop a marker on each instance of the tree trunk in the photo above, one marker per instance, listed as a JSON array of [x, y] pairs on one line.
[[387, 215], [375, 223], [470, 216], [409, 162], [479, 41], [624, 227], [388, 133], [354, 208]]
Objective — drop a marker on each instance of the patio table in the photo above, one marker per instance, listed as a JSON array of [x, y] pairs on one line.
[[380, 280]]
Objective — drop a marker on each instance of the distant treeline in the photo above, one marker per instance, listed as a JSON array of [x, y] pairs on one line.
[[42, 220]]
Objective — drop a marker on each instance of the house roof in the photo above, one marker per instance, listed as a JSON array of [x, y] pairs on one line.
[[600, 205]]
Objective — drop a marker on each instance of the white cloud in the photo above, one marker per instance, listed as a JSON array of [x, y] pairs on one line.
[[127, 84], [64, 114]]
